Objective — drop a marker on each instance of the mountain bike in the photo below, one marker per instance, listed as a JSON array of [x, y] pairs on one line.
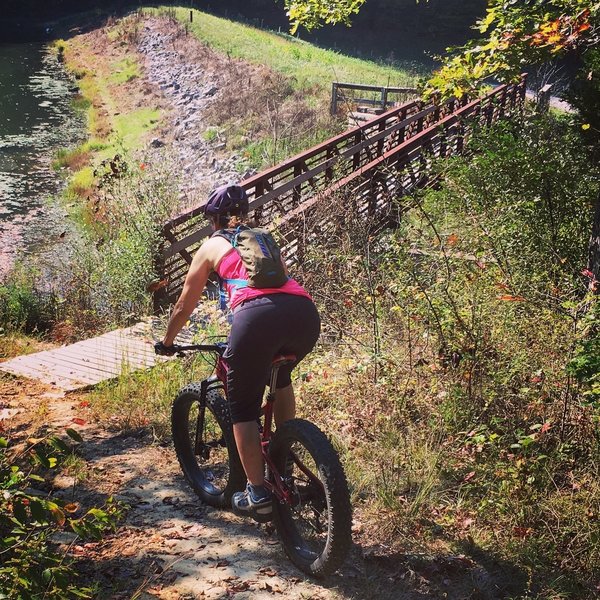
[[311, 502]]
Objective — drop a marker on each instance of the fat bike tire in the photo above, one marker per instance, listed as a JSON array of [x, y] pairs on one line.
[[209, 460], [315, 528]]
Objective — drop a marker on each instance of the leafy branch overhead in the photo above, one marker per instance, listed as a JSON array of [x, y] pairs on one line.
[[313, 13], [514, 34], [518, 34]]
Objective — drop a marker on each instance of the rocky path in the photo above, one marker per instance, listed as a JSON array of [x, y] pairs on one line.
[[190, 77]]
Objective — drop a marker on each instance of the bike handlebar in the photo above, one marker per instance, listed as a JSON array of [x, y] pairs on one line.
[[179, 350]]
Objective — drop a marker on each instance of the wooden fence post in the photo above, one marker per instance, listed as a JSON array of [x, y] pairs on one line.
[[356, 156], [384, 93], [296, 192], [334, 97]]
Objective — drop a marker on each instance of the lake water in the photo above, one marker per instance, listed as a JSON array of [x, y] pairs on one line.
[[36, 119]]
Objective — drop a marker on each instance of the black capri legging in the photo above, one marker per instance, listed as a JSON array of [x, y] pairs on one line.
[[262, 328]]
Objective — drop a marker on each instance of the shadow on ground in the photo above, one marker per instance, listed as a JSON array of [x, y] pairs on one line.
[[173, 546]]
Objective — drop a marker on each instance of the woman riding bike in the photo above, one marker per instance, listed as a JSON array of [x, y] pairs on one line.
[[266, 321]]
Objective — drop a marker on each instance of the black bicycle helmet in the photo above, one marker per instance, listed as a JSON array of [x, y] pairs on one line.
[[227, 200]]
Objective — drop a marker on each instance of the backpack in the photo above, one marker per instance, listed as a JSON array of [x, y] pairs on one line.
[[260, 255]]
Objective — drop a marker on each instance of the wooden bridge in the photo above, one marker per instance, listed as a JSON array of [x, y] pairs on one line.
[[89, 362], [374, 164]]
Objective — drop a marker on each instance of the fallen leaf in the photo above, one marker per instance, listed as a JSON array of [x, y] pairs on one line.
[[221, 564], [155, 285], [511, 298], [78, 421], [242, 586]]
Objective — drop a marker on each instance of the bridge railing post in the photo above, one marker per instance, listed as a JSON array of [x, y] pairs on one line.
[[334, 98], [384, 93]]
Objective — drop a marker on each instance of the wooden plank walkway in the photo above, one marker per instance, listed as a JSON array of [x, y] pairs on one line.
[[90, 362]]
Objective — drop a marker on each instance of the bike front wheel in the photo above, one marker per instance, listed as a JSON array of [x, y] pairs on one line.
[[315, 527], [205, 447]]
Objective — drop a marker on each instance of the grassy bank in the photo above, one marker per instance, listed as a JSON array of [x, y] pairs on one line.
[[306, 64], [276, 89], [120, 112]]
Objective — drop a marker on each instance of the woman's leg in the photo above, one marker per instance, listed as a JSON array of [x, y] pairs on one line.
[[285, 405], [247, 440]]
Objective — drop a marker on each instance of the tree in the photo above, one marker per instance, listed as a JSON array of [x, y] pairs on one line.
[[312, 13], [514, 35]]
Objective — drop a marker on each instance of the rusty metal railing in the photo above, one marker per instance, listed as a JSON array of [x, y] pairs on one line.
[[377, 162]]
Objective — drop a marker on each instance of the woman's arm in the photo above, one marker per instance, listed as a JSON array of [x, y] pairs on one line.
[[196, 279]]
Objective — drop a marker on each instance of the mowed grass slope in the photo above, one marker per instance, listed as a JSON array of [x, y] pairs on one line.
[[308, 64]]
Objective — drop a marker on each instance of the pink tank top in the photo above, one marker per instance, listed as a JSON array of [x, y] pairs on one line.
[[234, 276]]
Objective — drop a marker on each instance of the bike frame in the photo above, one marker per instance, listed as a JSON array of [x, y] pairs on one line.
[[273, 480]]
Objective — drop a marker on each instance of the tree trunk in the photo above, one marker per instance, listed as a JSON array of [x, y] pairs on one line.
[[594, 249]]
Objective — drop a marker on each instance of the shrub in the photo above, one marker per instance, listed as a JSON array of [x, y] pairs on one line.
[[472, 334], [32, 565], [23, 306]]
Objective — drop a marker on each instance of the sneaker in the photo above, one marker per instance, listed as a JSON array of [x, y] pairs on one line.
[[255, 502]]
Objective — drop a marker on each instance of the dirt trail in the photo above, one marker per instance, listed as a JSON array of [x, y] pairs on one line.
[[169, 544]]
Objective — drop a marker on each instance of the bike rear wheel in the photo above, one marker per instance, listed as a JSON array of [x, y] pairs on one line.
[[205, 447], [315, 527]]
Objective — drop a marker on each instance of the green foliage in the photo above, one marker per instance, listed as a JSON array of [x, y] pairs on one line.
[[468, 329], [23, 306], [528, 194], [313, 13], [32, 566], [125, 70], [584, 95], [585, 364], [518, 34], [114, 265], [105, 280]]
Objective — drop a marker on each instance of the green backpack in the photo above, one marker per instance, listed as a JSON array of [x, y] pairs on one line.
[[259, 253]]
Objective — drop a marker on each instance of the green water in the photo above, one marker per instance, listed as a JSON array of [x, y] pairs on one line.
[[36, 118]]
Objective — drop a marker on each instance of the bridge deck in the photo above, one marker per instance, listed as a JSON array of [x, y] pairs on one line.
[[90, 362]]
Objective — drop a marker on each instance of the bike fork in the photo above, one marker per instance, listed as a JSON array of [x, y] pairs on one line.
[[200, 419]]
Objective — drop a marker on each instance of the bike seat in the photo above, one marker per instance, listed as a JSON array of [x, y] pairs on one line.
[[283, 359]]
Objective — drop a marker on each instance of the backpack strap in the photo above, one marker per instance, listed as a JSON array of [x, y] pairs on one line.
[[231, 236]]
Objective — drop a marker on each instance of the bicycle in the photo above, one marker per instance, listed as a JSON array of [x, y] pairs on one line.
[[312, 512]]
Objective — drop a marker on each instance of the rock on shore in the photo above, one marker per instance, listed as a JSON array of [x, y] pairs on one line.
[[177, 65]]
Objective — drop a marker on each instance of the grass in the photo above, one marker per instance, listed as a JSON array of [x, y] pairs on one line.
[[115, 126], [130, 128], [306, 64], [144, 398], [16, 343], [124, 70]]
